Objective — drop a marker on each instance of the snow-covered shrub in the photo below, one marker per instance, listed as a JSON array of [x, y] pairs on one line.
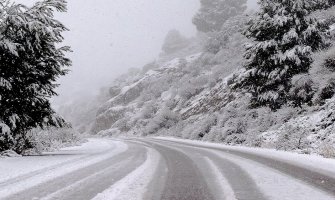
[[330, 63], [234, 131], [149, 66], [203, 126], [114, 91], [294, 137], [214, 13], [106, 118], [326, 92], [223, 38], [327, 150], [148, 111], [203, 64], [164, 119], [174, 41], [6, 139], [302, 90], [122, 124], [110, 132], [187, 91], [322, 75], [52, 138]]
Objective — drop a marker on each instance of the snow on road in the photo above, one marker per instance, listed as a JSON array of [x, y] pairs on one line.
[[131, 169], [35, 163], [19, 174], [134, 185], [314, 162], [274, 184], [228, 192]]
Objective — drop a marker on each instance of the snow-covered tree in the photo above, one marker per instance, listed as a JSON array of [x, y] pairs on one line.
[[230, 29], [174, 41], [30, 63], [284, 38], [214, 13], [302, 90]]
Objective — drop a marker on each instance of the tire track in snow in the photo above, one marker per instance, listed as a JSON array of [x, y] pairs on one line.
[[310, 177], [184, 180], [272, 182], [85, 185], [243, 186], [134, 185], [60, 182], [221, 181], [275, 184], [24, 177]]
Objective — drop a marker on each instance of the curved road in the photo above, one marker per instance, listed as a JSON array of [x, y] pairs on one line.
[[134, 169]]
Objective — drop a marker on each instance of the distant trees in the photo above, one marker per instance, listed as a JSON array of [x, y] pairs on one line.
[[30, 63], [214, 13], [174, 41], [284, 39], [222, 39]]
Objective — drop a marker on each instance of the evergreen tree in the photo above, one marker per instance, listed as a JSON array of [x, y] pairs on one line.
[[30, 63], [174, 41], [214, 13], [284, 38], [330, 2]]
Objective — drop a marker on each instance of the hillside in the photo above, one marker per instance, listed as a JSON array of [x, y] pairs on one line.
[[188, 94]]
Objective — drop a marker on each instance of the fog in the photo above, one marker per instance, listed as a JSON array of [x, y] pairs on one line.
[[110, 36]]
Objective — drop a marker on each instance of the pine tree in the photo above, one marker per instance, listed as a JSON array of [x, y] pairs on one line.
[[330, 2], [284, 38], [214, 13], [30, 63], [174, 41]]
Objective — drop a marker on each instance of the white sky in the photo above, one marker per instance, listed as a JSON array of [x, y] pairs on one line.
[[110, 36]]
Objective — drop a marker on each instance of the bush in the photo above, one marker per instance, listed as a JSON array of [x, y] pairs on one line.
[[302, 91], [327, 150], [164, 119], [330, 63], [52, 139], [293, 138], [327, 92]]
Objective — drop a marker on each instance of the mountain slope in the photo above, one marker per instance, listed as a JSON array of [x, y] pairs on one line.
[[187, 94]]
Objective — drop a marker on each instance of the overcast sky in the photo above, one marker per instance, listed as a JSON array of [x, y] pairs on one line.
[[110, 36]]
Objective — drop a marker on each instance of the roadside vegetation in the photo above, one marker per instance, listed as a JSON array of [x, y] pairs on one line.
[[31, 61]]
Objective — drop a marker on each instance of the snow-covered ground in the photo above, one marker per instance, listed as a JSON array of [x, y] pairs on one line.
[[20, 173]]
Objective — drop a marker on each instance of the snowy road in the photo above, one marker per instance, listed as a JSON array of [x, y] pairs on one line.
[[168, 169]]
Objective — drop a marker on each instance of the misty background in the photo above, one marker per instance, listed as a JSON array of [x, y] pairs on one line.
[[108, 37]]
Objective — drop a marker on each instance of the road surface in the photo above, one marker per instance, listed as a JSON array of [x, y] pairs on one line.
[[152, 168]]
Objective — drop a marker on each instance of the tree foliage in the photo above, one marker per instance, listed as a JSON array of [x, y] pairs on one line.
[[174, 41], [30, 63], [214, 13], [284, 38]]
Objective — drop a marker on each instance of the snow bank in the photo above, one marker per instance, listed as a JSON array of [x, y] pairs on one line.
[[9, 153]]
